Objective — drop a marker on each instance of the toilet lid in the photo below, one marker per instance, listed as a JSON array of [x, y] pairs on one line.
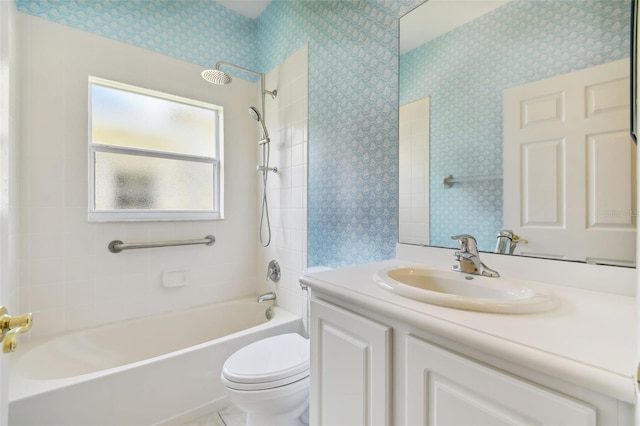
[[268, 360]]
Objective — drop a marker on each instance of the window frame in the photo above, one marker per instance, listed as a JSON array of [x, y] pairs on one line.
[[216, 161]]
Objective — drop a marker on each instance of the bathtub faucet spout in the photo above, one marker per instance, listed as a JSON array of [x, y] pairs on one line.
[[267, 296]]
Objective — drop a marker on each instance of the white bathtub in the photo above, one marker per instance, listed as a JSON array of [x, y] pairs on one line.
[[160, 369]]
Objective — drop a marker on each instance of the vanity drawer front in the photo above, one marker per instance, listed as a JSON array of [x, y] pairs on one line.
[[443, 388]]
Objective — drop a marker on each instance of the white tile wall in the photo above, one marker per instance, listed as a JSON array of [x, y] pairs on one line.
[[287, 190], [68, 278], [414, 172], [9, 151]]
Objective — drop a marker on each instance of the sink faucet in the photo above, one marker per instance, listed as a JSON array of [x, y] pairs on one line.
[[469, 259], [267, 296]]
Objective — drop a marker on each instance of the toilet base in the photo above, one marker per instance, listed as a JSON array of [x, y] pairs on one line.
[[296, 418], [257, 420], [282, 406], [289, 419]]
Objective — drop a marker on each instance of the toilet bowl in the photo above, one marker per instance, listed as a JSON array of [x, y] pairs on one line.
[[269, 380]]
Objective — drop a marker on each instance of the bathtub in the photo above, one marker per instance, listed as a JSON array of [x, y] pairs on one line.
[[163, 369]]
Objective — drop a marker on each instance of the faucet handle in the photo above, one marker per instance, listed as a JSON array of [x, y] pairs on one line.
[[273, 271], [467, 242]]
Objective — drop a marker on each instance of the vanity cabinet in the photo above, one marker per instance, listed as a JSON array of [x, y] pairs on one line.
[[350, 368], [447, 389], [352, 357]]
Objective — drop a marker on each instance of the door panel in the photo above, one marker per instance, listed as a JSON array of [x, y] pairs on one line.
[[569, 166]]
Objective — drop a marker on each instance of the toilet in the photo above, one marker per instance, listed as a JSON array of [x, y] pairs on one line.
[[269, 380]]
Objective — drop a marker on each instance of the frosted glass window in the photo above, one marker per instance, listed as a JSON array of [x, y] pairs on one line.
[[153, 156], [127, 119], [131, 182]]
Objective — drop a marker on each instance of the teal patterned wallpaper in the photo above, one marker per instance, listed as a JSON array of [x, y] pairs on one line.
[[353, 94], [465, 71], [353, 120]]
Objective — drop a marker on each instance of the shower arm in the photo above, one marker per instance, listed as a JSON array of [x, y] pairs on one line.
[[264, 91]]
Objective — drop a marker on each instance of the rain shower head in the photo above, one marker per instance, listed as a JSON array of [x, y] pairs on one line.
[[255, 114], [216, 76]]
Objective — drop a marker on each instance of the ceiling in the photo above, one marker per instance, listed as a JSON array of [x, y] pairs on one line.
[[249, 8], [436, 17]]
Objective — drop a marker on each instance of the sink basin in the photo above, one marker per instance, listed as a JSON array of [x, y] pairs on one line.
[[464, 291]]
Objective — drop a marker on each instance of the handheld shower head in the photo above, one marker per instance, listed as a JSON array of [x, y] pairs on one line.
[[216, 76], [255, 114]]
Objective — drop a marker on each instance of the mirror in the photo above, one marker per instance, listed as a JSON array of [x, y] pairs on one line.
[[472, 93]]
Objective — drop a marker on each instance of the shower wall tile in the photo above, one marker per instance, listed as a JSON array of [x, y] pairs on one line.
[[68, 278], [11, 218], [468, 68], [287, 189]]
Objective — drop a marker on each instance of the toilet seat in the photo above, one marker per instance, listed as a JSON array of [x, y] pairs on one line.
[[268, 363]]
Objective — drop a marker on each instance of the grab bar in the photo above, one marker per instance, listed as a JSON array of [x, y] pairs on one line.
[[116, 246], [448, 181]]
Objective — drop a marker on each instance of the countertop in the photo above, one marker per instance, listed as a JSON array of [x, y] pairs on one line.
[[588, 340]]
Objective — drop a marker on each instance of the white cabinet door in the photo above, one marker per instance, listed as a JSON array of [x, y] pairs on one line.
[[350, 368], [569, 165], [447, 389]]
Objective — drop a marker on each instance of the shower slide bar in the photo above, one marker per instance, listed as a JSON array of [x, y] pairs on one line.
[[448, 181], [116, 246]]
